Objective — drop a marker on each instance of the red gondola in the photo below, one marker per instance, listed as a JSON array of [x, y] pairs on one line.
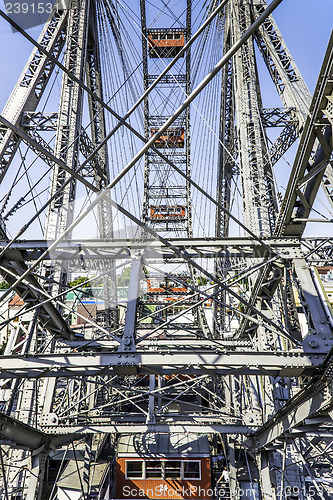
[[165, 43], [158, 212], [173, 137]]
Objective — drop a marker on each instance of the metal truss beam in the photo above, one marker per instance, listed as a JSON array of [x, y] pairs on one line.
[[311, 401], [30, 87], [31, 290], [169, 428], [45, 154], [240, 362], [281, 66], [258, 191], [291, 87], [284, 248], [302, 187], [15, 433]]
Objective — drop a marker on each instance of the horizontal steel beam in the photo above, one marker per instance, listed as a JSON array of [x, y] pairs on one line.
[[285, 248], [204, 343], [208, 362], [144, 428]]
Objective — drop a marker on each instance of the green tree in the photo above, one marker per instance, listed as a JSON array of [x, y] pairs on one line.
[[202, 281], [78, 281], [124, 278]]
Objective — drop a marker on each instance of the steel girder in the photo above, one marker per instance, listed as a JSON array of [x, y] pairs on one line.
[[132, 362], [70, 26], [30, 87], [170, 362], [249, 248], [259, 197], [290, 85], [281, 66], [308, 170], [314, 399], [24, 100], [300, 415], [303, 187], [60, 211], [14, 432]]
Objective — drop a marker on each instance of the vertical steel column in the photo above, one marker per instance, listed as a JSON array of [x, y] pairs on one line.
[[259, 201], [101, 164], [146, 176], [266, 484], [225, 168], [60, 213], [187, 120], [226, 134], [127, 343], [241, 106], [61, 210]]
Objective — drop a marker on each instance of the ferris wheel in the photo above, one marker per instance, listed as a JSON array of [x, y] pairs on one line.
[[163, 310]]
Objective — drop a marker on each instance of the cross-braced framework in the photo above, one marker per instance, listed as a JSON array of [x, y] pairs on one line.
[[155, 280]]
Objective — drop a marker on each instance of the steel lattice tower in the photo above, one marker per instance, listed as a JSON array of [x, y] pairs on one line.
[[235, 339]]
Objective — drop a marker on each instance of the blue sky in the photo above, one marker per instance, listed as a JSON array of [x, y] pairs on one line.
[[305, 25]]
